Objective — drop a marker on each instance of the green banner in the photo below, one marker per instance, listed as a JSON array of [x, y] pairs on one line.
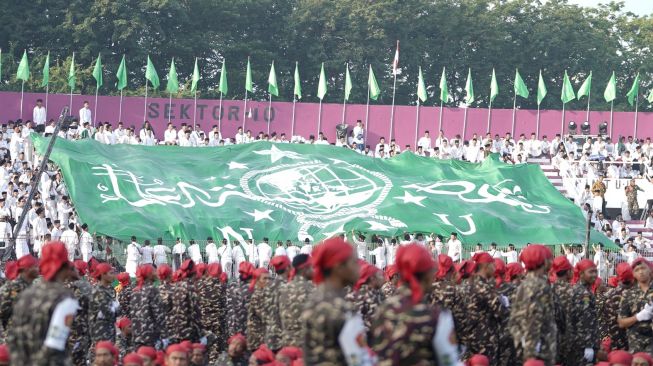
[[293, 191]]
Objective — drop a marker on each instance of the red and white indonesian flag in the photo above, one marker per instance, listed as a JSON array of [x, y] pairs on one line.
[[395, 62]]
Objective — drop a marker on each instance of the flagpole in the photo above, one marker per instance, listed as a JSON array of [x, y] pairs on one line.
[[537, 128], [392, 110], [514, 113], [145, 105], [70, 112], [440, 122], [219, 116], [120, 108], [169, 106], [636, 105], [587, 115], [344, 107], [489, 116], [562, 123], [95, 108], [269, 113], [195, 111], [292, 123], [465, 122], [245, 110], [611, 117], [47, 88], [367, 110], [416, 124], [22, 88], [319, 118]]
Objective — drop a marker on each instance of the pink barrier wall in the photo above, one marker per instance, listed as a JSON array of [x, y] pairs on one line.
[[306, 116]]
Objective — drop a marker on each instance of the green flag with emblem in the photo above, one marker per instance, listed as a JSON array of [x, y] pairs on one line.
[[71, 73], [151, 75]]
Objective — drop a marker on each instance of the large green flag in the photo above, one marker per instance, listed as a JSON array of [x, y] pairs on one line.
[[541, 89], [248, 78], [297, 91], [71, 73], [23, 68], [373, 87], [567, 94], [273, 88], [122, 75], [444, 88], [610, 92], [348, 85], [196, 76], [421, 87], [586, 88], [97, 72], [151, 75], [289, 191], [46, 71], [494, 87], [634, 91], [469, 89], [322, 84], [224, 84], [172, 86], [520, 86]]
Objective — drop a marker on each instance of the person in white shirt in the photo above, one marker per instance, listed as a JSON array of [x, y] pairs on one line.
[[147, 253], [64, 209], [194, 252], [381, 146], [211, 250], [56, 231], [471, 151], [641, 242], [359, 135], [238, 255], [170, 135], [160, 253], [86, 244], [511, 255], [264, 253], [425, 141], [226, 256], [630, 254], [134, 255], [5, 231], [380, 255], [85, 114], [291, 249], [321, 139], [361, 245], [251, 253], [71, 241], [494, 252], [178, 254], [600, 260], [38, 116], [454, 248], [574, 255], [478, 250], [240, 136]]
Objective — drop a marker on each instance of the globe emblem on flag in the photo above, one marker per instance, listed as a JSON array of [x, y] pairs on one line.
[[319, 189]]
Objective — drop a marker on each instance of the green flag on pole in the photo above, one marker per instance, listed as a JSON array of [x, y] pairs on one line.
[[273, 88], [248, 78], [196, 77], [520, 86], [469, 88], [71, 73], [122, 75], [224, 84], [494, 87], [297, 91], [46, 71], [172, 86], [421, 87], [151, 75], [322, 84], [348, 84], [541, 89], [23, 68], [444, 89], [97, 72], [585, 88], [567, 94], [634, 91], [373, 86], [610, 92]]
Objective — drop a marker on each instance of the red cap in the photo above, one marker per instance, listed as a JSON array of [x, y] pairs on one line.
[[101, 269], [149, 352], [11, 270], [257, 273], [560, 263], [4, 353], [124, 279], [411, 260], [176, 348], [620, 356], [237, 337], [467, 268], [164, 271], [329, 254], [109, 347], [132, 358], [292, 353], [123, 322], [534, 362], [199, 346], [366, 271], [27, 261], [187, 267], [53, 256], [625, 273], [482, 257], [513, 270], [639, 261], [142, 272], [534, 256], [81, 266], [246, 269], [445, 263], [200, 269], [298, 362], [214, 270], [479, 360], [263, 354], [188, 345], [644, 356], [280, 262]]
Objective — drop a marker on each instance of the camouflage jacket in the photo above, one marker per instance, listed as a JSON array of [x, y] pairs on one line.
[[485, 311], [184, 316], [79, 332], [271, 315], [9, 293], [640, 334], [443, 294], [102, 313], [255, 325], [165, 292], [125, 344], [564, 305], [608, 313], [147, 316], [124, 299], [365, 301], [238, 296], [388, 290], [292, 298], [583, 321]]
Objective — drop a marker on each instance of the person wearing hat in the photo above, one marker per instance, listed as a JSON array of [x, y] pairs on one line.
[[106, 354], [561, 274], [255, 324], [366, 295], [79, 339], [292, 298], [608, 315], [103, 308], [236, 354], [211, 294], [326, 311], [271, 311], [124, 293], [27, 267], [185, 310], [635, 309], [177, 355], [132, 359], [532, 315], [583, 320], [43, 313], [125, 338], [147, 312], [389, 288], [238, 297], [427, 333], [148, 355]]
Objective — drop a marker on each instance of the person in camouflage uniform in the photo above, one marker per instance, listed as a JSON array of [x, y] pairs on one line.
[[184, 316], [103, 306], [486, 308], [238, 297], [255, 325], [608, 323], [212, 306], [507, 288], [164, 272], [236, 354], [27, 272], [124, 294], [292, 298], [561, 275], [583, 322], [147, 312], [532, 323], [79, 340], [389, 288], [271, 311], [35, 311], [444, 286], [366, 295], [635, 310], [125, 338], [464, 325], [427, 332]]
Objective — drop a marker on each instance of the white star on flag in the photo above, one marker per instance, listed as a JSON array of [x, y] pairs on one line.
[[409, 198], [276, 154], [377, 226], [395, 62], [260, 215], [235, 165]]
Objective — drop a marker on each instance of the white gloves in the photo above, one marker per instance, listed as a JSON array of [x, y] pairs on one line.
[[505, 301], [203, 341], [645, 314], [115, 305], [589, 355]]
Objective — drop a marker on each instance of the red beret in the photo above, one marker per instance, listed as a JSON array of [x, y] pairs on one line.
[[109, 347], [176, 348], [4, 353], [123, 322], [214, 270], [292, 353], [639, 261], [499, 267], [255, 276], [200, 269], [329, 254], [101, 269], [644, 356], [124, 279], [620, 356], [298, 362], [133, 358], [513, 270], [187, 266], [560, 263], [237, 337], [142, 272], [188, 345], [414, 259], [366, 271], [467, 268], [584, 264], [149, 352], [246, 269], [11, 270], [482, 257], [534, 256], [81, 266], [53, 256], [625, 272], [27, 261], [263, 354], [164, 271], [280, 262], [445, 263], [479, 360], [390, 271], [534, 362], [199, 346]]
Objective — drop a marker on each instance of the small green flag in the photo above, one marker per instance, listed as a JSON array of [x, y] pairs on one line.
[[23, 68], [421, 87], [322, 84], [97, 72], [373, 86], [172, 86], [650, 96], [541, 89], [610, 92], [634, 91], [444, 89], [520, 86], [46, 71], [151, 75], [494, 87], [567, 94], [122, 75], [298, 83], [273, 88], [224, 84], [469, 89], [71, 73], [348, 84], [586, 88], [248, 78], [196, 77]]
